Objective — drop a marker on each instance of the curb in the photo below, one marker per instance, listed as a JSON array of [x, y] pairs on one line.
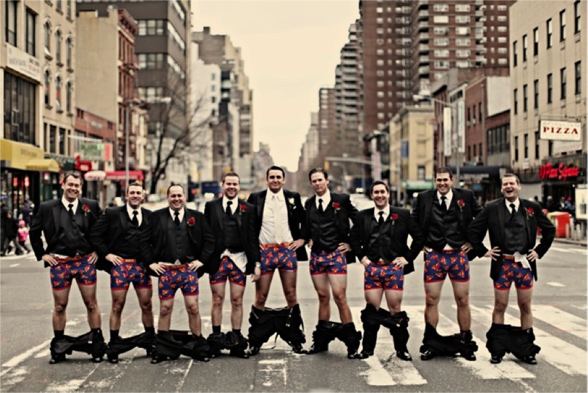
[[583, 242]]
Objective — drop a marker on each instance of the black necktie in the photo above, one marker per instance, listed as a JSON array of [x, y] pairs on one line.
[[381, 219], [228, 211], [321, 210], [135, 220], [513, 210], [177, 219], [70, 210], [443, 203]]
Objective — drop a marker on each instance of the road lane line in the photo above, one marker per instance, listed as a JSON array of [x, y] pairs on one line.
[[555, 284], [15, 361], [15, 265], [561, 320], [271, 367]]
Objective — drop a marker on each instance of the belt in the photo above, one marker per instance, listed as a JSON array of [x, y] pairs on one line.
[[129, 261], [71, 259], [380, 262], [272, 245], [448, 251], [175, 267], [508, 257]]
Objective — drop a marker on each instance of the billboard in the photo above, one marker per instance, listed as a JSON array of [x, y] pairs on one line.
[[556, 130]]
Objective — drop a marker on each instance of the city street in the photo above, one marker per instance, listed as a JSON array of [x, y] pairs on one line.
[[560, 328]]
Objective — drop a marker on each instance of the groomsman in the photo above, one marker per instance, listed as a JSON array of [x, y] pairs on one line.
[[444, 215], [181, 244], [237, 254], [280, 216], [327, 227], [512, 223], [66, 225], [379, 239], [121, 238]]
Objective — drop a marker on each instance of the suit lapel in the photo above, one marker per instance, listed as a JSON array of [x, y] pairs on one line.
[[527, 221], [501, 209], [429, 204], [220, 213], [163, 222], [238, 212], [392, 222], [367, 226], [56, 216], [124, 222]]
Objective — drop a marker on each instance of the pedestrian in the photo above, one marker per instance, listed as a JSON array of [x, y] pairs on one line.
[[10, 235], [23, 235], [182, 244], [550, 205], [279, 220], [236, 255], [379, 240], [66, 224], [26, 211], [121, 239], [444, 215], [327, 223], [512, 223]]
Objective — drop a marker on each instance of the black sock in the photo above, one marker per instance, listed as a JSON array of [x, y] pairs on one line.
[[237, 331], [95, 330], [58, 333], [113, 334], [216, 329], [150, 329]]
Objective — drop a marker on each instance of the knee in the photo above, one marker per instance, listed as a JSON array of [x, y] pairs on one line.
[[146, 307], [117, 308], [462, 300], [237, 302], [193, 309], [92, 305], [291, 296], [261, 297], [340, 298], [165, 311], [500, 306], [60, 308], [525, 307], [431, 300], [324, 297], [217, 300]]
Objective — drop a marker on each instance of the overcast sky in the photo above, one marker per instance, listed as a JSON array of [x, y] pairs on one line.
[[290, 50]]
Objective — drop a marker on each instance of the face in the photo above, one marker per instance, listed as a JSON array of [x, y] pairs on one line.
[[231, 187], [176, 198], [71, 188], [510, 188], [319, 183], [380, 196], [275, 180], [443, 182], [135, 196]]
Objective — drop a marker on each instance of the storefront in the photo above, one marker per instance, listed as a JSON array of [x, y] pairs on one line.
[[484, 180], [561, 176]]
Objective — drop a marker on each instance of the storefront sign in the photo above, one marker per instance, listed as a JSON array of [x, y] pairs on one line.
[[560, 130], [23, 63], [559, 172]]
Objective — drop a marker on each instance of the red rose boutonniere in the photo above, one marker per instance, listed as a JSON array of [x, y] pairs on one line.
[[191, 221], [242, 209], [336, 206], [394, 217], [86, 209], [530, 213], [461, 204]]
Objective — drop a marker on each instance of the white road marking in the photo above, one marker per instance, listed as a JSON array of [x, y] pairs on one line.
[[271, 367], [568, 250], [15, 265], [555, 284], [376, 374], [561, 320], [15, 361]]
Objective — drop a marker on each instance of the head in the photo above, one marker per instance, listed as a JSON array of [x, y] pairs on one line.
[[72, 186], [319, 180], [511, 186], [9, 215], [21, 224], [380, 193], [275, 177], [135, 195], [443, 180], [231, 184], [176, 199]]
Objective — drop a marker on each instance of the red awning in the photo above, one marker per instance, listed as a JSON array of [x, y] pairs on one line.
[[121, 175]]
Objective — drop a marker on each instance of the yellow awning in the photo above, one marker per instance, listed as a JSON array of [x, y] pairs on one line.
[[43, 165], [17, 154]]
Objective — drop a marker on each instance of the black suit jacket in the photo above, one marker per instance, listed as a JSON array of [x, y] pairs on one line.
[[296, 219], [48, 220], [108, 232], [424, 207], [492, 219], [245, 214], [344, 217], [399, 231], [200, 235]]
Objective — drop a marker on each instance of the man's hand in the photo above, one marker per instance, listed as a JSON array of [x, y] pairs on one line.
[[256, 274], [365, 262], [157, 268], [494, 253], [467, 247], [344, 247], [400, 262], [50, 259], [114, 259], [296, 244], [93, 257], [195, 265], [532, 255]]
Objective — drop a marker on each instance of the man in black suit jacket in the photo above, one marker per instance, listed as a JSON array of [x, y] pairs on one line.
[[236, 255], [66, 224], [379, 240], [512, 223], [444, 215], [182, 243], [121, 238], [327, 229]]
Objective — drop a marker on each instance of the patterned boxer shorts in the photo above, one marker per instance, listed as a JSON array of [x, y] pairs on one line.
[[129, 271], [78, 267], [331, 263], [454, 263]]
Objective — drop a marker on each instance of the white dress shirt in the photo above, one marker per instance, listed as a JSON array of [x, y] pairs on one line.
[[130, 211], [386, 211], [274, 225], [326, 199]]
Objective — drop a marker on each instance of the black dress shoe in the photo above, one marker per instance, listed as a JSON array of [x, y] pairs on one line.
[[112, 358], [253, 350], [469, 356], [530, 359], [57, 359], [403, 355], [427, 355], [238, 353], [298, 349], [364, 355], [157, 358], [495, 359], [316, 349], [97, 359]]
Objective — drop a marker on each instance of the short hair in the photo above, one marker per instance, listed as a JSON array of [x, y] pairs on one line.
[[230, 174], [377, 183], [511, 175], [134, 184], [317, 170], [175, 185], [75, 175], [444, 169], [275, 168]]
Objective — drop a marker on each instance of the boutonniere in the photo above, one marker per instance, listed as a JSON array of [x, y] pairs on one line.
[[86, 209], [530, 213], [191, 221], [336, 206], [242, 209], [461, 204], [394, 217], [292, 203]]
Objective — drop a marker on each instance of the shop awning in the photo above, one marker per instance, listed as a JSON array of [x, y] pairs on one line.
[[95, 175], [43, 165], [121, 175], [16, 155]]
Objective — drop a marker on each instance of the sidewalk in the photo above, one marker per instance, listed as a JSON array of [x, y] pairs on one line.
[[582, 242]]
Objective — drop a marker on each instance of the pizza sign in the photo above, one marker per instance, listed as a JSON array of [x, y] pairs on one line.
[[560, 130]]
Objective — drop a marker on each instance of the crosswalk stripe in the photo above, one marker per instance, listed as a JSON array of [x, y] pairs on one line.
[[560, 319]]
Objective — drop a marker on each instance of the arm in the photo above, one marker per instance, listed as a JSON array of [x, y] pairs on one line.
[[35, 234], [547, 233], [477, 232], [418, 239], [356, 237], [98, 234]]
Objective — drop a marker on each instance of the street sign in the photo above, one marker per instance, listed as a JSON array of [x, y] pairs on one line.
[[447, 131], [461, 127]]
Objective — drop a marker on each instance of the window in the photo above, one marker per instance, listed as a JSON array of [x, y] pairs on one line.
[[577, 17], [525, 97], [549, 88], [438, 19], [68, 52], [151, 26], [151, 60], [536, 94], [58, 6], [524, 48], [58, 46], [562, 76], [562, 25], [11, 22], [68, 8], [30, 32], [62, 135], [462, 8], [537, 145], [526, 145], [514, 54], [58, 94], [516, 143], [480, 111], [68, 93], [47, 33], [549, 33], [440, 7], [441, 53], [47, 87], [578, 78], [516, 101], [535, 41], [441, 41]]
